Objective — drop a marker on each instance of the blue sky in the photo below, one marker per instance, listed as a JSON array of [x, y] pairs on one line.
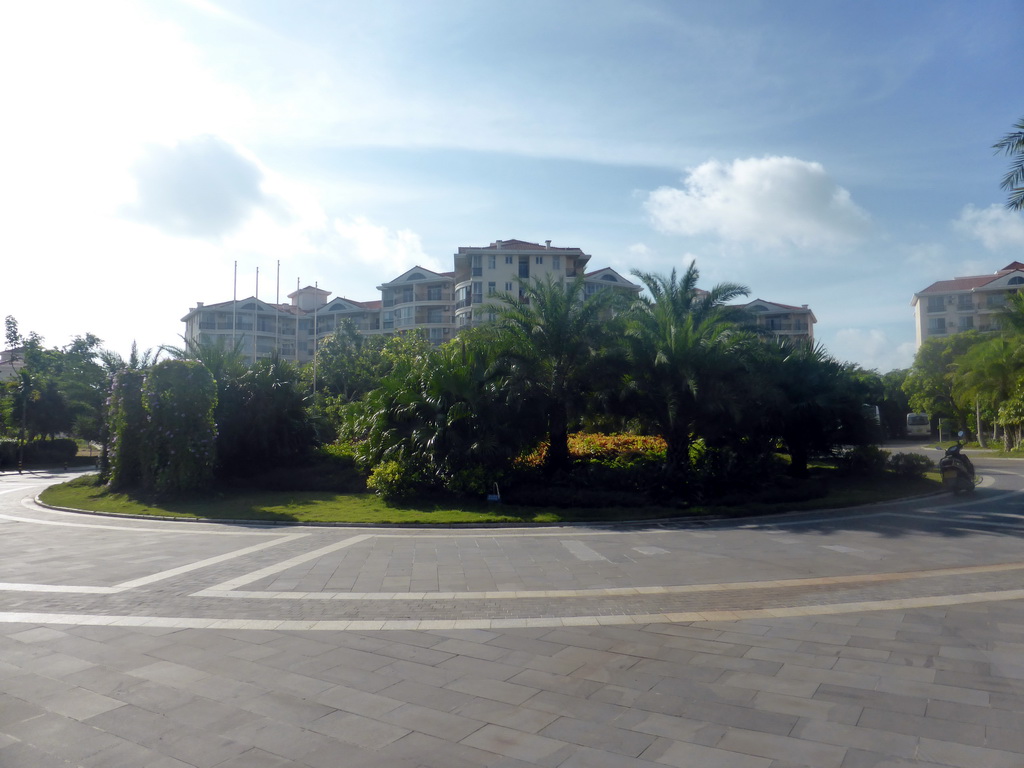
[[835, 154]]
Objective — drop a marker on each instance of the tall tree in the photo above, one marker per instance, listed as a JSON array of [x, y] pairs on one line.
[[1012, 145], [988, 374], [683, 365], [813, 401], [552, 335], [931, 383]]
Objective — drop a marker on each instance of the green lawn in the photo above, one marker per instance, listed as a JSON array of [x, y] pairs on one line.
[[325, 507]]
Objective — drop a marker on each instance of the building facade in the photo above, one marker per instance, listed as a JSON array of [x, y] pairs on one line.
[[969, 303], [260, 328], [438, 304], [783, 320]]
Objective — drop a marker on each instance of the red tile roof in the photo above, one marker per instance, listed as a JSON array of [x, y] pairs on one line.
[[515, 245]]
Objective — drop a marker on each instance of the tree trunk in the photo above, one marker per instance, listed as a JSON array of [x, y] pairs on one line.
[[980, 430], [557, 459]]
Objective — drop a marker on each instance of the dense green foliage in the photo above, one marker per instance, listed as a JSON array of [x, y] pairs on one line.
[[975, 380], [703, 403], [178, 451]]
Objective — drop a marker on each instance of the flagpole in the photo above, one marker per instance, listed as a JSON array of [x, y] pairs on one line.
[[277, 314], [255, 317], [316, 306], [234, 308]]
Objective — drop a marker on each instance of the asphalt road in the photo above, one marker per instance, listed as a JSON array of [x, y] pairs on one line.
[[890, 635]]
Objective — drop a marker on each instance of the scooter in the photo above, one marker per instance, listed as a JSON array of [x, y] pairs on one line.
[[956, 469]]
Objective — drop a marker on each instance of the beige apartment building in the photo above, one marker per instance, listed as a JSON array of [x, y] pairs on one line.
[[965, 303], [788, 322], [438, 304]]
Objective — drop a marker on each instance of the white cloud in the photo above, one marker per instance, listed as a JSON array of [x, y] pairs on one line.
[[388, 253], [201, 187], [769, 201], [996, 227], [872, 349]]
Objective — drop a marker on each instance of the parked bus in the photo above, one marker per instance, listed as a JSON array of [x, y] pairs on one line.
[[918, 425]]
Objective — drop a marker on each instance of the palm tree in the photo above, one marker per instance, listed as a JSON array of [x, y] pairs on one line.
[[551, 335], [990, 373], [1011, 316], [682, 363], [112, 362], [811, 399], [224, 362], [1012, 145]]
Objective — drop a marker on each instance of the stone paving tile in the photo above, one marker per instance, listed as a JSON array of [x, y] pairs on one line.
[[684, 755], [534, 749], [779, 747], [357, 730], [600, 736], [855, 690], [897, 722]]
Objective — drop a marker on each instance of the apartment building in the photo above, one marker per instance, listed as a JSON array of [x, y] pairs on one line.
[[437, 304], [481, 272], [419, 299], [782, 319], [261, 327], [965, 303]]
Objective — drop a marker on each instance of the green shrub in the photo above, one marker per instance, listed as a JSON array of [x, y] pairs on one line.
[[862, 460], [179, 397], [909, 464], [394, 481]]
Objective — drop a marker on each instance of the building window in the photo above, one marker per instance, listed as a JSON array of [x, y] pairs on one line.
[[508, 287], [491, 289], [556, 262], [936, 303], [1017, 280], [937, 325], [492, 261], [964, 302], [965, 323], [538, 259], [995, 301], [508, 259], [477, 269]]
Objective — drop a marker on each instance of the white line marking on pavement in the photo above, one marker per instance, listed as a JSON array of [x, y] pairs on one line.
[[152, 578], [733, 586], [208, 561], [364, 625], [581, 551], [249, 578]]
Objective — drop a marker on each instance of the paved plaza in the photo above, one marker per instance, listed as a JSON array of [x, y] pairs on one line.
[[879, 637]]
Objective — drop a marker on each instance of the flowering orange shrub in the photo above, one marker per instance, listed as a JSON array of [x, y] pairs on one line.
[[593, 447]]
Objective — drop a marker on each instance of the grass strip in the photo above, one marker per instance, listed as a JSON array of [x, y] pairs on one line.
[[366, 508]]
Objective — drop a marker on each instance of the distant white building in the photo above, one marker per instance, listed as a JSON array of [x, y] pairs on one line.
[[438, 304], [261, 327], [783, 320], [11, 363], [969, 303]]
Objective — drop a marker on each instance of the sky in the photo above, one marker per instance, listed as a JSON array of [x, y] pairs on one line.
[[836, 153]]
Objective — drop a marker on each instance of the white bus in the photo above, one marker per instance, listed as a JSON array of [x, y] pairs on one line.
[[918, 425]]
